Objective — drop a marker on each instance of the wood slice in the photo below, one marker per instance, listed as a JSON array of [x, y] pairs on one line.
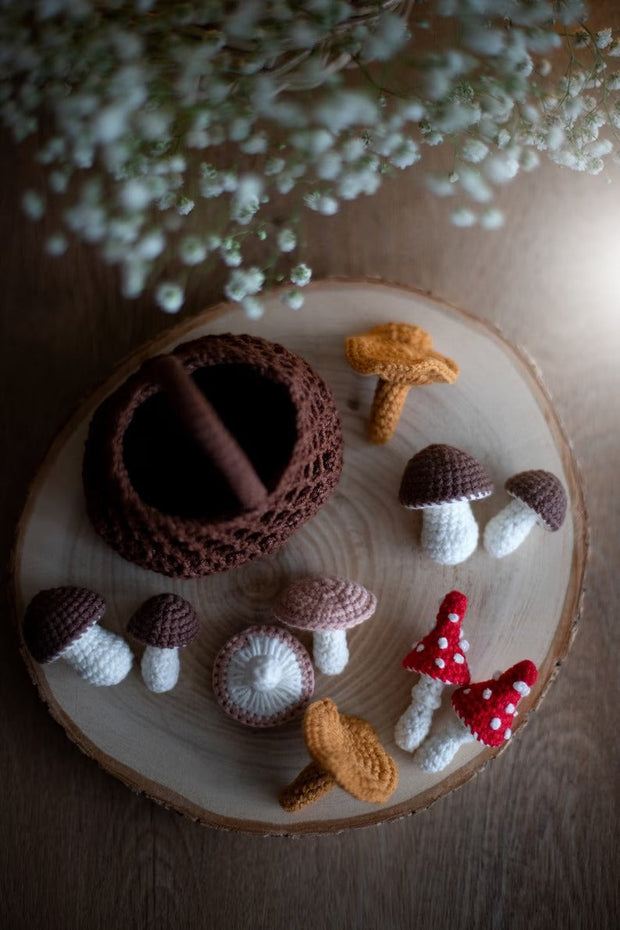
[[179, 747]]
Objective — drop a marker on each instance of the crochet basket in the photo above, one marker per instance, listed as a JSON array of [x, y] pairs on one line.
[[157, 499]]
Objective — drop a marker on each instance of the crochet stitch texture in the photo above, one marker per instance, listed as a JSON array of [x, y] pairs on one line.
[[184, 545], [165, 621], [57, 617]]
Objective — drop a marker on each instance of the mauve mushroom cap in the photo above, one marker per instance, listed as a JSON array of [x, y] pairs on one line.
[[56, 617], [441, 474], [323, 603], [165, 621], [439, 655], [544, 493], [488, 708], [250, 642]]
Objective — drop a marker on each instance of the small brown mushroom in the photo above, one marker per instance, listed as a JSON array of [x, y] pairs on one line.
[[345, 751], [402, 357], [164, 623], [538, 498], [63, 623], [441, 481]]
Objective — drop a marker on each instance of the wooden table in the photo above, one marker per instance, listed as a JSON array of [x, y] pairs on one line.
[[532, 841]]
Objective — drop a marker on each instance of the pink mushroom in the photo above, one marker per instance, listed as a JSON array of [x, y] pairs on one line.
[[485, 711], [440, 660], [327, 606]]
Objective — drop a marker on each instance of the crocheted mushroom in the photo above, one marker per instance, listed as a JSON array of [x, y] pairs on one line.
[[328, 606], [441, 481], [263, 676], [63, 623], [440, 660], [538, 498], [345, 751], [164, 623], [485, 711], [401, 355]]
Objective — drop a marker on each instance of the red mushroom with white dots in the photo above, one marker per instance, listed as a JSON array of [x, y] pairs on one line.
[[440, 660], [485, 711]]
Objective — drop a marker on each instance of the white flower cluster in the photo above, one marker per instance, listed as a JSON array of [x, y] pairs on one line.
[[143, 95]]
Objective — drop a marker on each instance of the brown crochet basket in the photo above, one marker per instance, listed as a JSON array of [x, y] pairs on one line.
[[211, 456]]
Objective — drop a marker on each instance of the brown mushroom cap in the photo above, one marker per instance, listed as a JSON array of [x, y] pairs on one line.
[[324, 603], [165, 621], [441, 474], [57, 617], [543, 492], [399, 353], [349, 749]]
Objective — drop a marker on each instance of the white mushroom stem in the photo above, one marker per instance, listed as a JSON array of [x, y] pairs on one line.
[[509, 528], [99, 656], [449, 532], [439, 750], [160, 668], [330, 651], [415, 723]]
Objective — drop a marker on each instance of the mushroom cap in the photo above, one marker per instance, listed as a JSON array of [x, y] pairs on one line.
[[441, 654], [441, 474], [56, 617], [543, 492], [399, 353], [263, 676], [488, 708], [349, 748], [165, 621], [324, 603]]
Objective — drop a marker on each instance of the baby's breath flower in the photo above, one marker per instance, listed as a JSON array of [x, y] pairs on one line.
[[169, 296], [300, 275], [33, 205], [463, 216], [192, 250], [287, 240], [135, 95], [293, 299]]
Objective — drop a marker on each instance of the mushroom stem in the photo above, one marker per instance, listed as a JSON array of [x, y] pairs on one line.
[[160, 668], [508, 529], [99, 656], [440, 749], [311, 784], [330, 651], [415, 723], [449, 532], [387, 406]]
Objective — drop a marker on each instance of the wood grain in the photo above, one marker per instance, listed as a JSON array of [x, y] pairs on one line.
[[531, 843], [179, 748]]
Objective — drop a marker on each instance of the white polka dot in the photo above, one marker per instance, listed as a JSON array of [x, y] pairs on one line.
[[419, 648], [486, 694], [442, 642], [458, 658], [495, 723], [453, 618], [521, 687], [507, 734], [510, 708], [464, 645], [440, 663], [466, 690]]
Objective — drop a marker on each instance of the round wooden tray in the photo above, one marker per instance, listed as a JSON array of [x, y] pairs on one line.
[[180, 748]]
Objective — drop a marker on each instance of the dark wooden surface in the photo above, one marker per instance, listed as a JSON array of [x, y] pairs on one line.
[[530, 842]]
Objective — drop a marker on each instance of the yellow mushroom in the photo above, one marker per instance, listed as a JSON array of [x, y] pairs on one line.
[[402, 357]]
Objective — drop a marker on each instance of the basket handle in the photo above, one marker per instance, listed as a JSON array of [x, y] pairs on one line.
[[204, 425]]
